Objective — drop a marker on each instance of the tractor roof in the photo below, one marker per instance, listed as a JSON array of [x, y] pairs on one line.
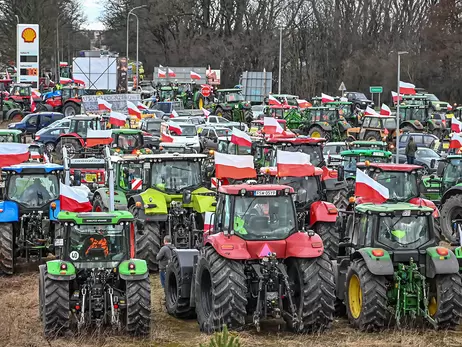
[[289, 96], [414, 96], [95, 218], [391, 167], [85, 117], [371, 143], [366, 152], [453, 156], [171, 156], [237, 188], [392, 207], [10, 132], [22, 85], [379, 116], [260, 121], [335, 103], [299, 140], [273, 171], [126, 131], [126, 158], [326, 108], [411, 106], [33, 168], [230, 90]]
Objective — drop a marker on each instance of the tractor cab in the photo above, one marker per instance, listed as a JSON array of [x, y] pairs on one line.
[[327, 122], [416, 118], [226, 146], [129, 173], [350, 159], [371, 145], [80, 124], [21, 92], [375, 128], [168, 93], [126, 141], [230, 96], [11, 135], [72, 92]]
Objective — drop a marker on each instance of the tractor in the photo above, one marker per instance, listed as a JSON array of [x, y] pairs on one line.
[[375, 128], [232, 106], [28, 213], [68, 101], [174, 204], [129, 141], [97, 282], [394, 268], [373, 145], [21, 94], [254, 262], [414, 118], [326, 122], [10, 110]]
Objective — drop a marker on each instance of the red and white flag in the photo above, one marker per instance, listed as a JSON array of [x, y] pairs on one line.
[[103, 105], [369, 189], [303, 103], [161, 73], [449, 107], [76, 81], [141, 106], [234, 166], [171, 73], [137, 183], [33, 107], [273, 101], [73, 199], [133, 110], [117, 118], [456, 141], [370, 111], [13, 153], [164, 137], [272, 126], [385, 110], [36, 94], [175, 128], [205, 112], [456, 125], [194, 75], [294, 164], [209, 219], [65, 80], [406, 88], [98, 137], [394, 96], [240, 138], [326, 98], [174, 114]]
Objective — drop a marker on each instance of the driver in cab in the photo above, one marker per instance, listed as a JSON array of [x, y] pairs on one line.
[[37, 190]]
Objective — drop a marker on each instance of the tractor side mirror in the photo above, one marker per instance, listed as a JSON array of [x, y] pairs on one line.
[[340, 173], [77, 178], [432, 163], [440, 169], [187, 197]]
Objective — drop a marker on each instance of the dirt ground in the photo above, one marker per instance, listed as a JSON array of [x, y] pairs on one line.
[[20, 326]]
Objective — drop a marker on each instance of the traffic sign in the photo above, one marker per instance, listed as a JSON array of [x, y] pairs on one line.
[[376, 89], [342, 87], [206, 90]]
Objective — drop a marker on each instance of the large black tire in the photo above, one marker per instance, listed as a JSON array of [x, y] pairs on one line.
[[450, 210], [148, 241], [437, 229], [314, 294], [42, 270], [219, 112], [330, 236], [318, 131], [56, 313], [220, 292], [338, 197], [138, 314], [71, 109], [372, 136], [446, 290], [6, 248], [177, 302], [248, 116], [73, 149], [372, 314], [98, 205], [228, 115]]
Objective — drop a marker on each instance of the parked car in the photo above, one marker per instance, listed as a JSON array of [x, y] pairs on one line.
[[258, 111], [61, 123], [209, 136], [359, 100], [49, 137], [146, 89], [153, 125], [421, 140], [223, 122], [424, 157], [189, 136], [33, 122]]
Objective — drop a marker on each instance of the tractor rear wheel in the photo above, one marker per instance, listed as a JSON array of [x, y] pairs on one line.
[[450, 210], [6, 248], [407, 129], [445, 300], [55, 309], [330, 236], [248, 116], [177, 303], [138, 314], [71, 109], [365, 297], [148, 241], [316, 132], [220, 292], [314, 294], [372, 136], [42, 270], [339, 198]]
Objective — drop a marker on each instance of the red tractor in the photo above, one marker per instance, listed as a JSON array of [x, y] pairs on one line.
[[255, 262], [69, 102], [21, 94]]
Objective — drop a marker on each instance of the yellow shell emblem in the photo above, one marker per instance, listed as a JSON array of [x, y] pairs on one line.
[[29, 35]]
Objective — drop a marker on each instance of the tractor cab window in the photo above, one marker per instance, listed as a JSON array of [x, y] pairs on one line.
[[453, 172], [128, 141], [389, 123], [269, 218], [276, 113], [241, 150], [374, 123], [176, 175], [131, 176], [21, 91], [306, 188], [350, 164], [402, 186], [403, 231], [97, 244], [315, 152], [33, 190], [234, 97], [8, 138]]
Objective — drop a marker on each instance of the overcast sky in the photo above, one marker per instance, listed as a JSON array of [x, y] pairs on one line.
[[93, 9]]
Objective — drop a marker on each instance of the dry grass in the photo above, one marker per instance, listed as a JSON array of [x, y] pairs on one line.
[[20, 326]]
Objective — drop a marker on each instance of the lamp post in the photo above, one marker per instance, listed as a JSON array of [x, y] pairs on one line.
[[57, 48], [397, 106], [17, 50], [280, 60], [137, 37]]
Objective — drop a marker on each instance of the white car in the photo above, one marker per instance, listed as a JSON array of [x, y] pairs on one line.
[[223, 122], [332, 150], [188, 137]]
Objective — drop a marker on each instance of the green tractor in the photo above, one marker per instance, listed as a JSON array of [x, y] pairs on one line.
[[129, 141], [174, 204], [10, 110], [168, 93], [414, 118], [393, 266], [97, 282], [326, 122], [232, 106], [372, 145]]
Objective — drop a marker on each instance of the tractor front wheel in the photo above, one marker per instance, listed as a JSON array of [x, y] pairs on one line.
[[330, 236], [138, 314], [338, 197], [372, 136], [6, 248], [313, 287], [71, 109], [365, 298], [444, 300], [450, 210], [148, 241], [55, 310], [220, 286]]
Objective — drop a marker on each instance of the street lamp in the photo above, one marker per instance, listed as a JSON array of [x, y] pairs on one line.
[[280, 60], [397, 106], [57, 49], [137, 37]]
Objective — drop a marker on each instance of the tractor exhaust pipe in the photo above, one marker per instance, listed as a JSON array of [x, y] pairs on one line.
[[110, 171], [67, 173]]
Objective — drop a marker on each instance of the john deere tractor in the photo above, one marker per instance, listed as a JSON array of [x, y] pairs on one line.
[[254, 263], [174, 204], [326, 122], [231, 105], [97, 282], [415, 118], [394, 268]]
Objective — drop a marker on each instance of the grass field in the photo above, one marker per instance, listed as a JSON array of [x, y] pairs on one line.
[[20, 326]]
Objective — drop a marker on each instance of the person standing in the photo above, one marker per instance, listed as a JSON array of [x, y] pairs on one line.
[[411, 148], [163, 257]]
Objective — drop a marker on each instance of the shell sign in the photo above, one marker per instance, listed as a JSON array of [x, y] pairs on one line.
[[29, 35]]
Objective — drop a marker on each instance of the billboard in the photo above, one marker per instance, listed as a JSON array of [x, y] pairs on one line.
[[118, 102], [97, 73], [28, 48]]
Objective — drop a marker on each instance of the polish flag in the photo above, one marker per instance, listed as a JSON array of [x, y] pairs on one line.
[[370, 190], [133, 110], [174, 114], [406, 88], [174, 128], [271, 126], [103, 105], [36, 94], [194, 76], [273, 101], [72, 199], [456, 125], [13, 153], [234, 166], [449, 107], [33, 107], [326, 98], [76, 81], [161, 73], [370, 111], [171, 73], [65, 80], [385, 110], [240, 138], [303, 103], [141, 106], [208, 221], [98, 137], [165, 137], [117, 118], [456, 141], [294, 164], [205, 112], [394, 96]]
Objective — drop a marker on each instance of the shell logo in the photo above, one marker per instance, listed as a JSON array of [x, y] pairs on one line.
[[29, 35]]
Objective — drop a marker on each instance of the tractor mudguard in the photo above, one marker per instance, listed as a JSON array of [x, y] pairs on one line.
[[9, 212], [140, 272], [381, 266], [56, 273], [340, 267], [324, 126], [187, 259], [321, 211], [11, 112], [202, 203], [231, 247], [53, 214], [154, 202], [142, 212], [456, 190], [301, 245], [440, 265]]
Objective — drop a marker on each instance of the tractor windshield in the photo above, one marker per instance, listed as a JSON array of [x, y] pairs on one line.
[[130, 176], [33, 190], [414, 114], [234, 97], [224, 146], [127, 141], [402, 186], [404, 231], [306, 189], [97, 244], [389, 123], [268, 218], [453, 172], [176, 176]]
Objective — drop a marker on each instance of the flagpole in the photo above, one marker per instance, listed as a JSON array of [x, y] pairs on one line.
[[397, 107], [280, 58]]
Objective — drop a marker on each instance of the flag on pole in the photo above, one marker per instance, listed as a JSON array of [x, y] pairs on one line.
[[385, 110], [98, 137], [72, 199], [326, 98], [234, 166], [133, 110], [240, 138], [369, 189], [456, 141], [294, 164], [272, 126], [194, 75], [103, 105], [406, 88], [117, 118]]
